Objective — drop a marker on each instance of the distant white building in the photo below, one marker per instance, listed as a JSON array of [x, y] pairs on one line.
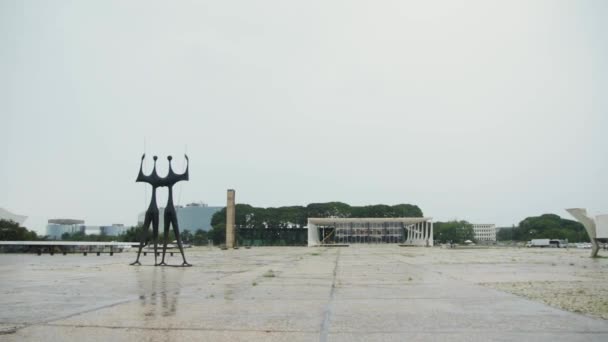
[[7, 215], [484, 232], [57, 227]]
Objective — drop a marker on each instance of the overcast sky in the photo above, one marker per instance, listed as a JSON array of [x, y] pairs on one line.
[[489, 111]]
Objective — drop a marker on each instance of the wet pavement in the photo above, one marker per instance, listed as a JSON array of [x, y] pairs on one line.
[[359, 293]]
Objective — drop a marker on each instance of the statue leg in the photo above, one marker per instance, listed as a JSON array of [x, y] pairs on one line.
[[155, 236], [179, 239], [144, 237], [166, 222]]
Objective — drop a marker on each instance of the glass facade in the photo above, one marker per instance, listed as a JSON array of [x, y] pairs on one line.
[[113, 230], [191, 217], [55, 230]]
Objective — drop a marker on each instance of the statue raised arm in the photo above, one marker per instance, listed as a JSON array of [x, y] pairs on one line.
[[153, 178]]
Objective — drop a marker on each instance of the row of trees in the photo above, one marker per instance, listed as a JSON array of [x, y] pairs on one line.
[[268, 223], [11, 231], [265, 222], [453, 231], [547, 226], [134, 234], [286, 223], [81, 236]]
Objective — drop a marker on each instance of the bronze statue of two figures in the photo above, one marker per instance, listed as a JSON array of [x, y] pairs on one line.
[[170, 215]]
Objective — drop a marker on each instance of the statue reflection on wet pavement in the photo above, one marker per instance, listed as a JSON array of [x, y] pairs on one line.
[[159, 291]]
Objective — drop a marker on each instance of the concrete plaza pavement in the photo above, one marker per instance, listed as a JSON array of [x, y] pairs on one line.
[[357, 293]]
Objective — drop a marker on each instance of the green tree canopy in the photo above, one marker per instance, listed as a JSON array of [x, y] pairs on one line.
[[200, 238], [547, 226], [260, 219], [505, 234], [81, 236], [132, 234], [454, 231], [11, 231]]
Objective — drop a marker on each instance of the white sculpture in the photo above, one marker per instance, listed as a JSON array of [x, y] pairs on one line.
[[596, 228]]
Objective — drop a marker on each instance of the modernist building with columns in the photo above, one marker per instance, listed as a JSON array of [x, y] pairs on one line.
[[415, 231]]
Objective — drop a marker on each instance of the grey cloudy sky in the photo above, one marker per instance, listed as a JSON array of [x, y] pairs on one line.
[[488, 111]]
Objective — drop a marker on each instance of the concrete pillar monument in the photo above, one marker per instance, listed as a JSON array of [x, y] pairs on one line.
[[230, 218]]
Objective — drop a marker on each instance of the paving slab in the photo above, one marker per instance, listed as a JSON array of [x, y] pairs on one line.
[[359, 293]]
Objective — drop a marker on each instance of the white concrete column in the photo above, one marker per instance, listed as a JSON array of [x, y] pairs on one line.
[[313, 235], [411, 232], [432, 236], [425, 227], [426, 233]]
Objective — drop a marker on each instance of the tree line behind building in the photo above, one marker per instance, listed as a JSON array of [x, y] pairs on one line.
[[287, 226]]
